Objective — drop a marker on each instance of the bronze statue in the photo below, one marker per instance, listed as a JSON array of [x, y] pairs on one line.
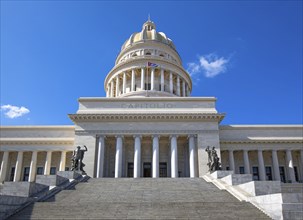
[[77, 157], [213, 159]]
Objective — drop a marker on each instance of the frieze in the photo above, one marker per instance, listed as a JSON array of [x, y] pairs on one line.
[[144, 132], [299, 141], [146, 117]]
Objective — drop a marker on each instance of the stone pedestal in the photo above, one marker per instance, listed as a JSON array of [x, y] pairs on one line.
[[69, 174], [23, 189], [50, 180], [236, 179], [221, 173]]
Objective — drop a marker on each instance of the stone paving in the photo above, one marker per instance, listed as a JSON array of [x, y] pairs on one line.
[[143, 198]]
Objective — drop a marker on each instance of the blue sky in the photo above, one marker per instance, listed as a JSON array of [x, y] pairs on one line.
[[248, 54]]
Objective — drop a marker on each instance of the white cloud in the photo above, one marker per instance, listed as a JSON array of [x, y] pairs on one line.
[[11, 111], [210, 65]]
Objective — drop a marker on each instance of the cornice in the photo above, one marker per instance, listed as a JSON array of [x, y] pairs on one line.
[[147, 117], [260, 127], [147, 99], [36, 141], [143, 132], [264, 141], [40, 127]]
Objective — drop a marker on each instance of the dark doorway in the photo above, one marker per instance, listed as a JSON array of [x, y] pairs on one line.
[[130, 170], [146, 169], [163, 169]]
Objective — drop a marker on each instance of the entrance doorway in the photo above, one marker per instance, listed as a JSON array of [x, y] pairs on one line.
[[146, 169], [163, 169]]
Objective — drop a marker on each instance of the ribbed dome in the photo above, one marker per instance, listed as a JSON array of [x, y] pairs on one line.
[[148, 33]]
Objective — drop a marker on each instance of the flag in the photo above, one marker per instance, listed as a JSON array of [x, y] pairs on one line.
[[152, 64]]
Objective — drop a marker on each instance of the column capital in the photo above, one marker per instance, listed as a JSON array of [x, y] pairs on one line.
[[191, 135], [173, 135], [156, 136], [119, 136], [137, 136], [100, 136]]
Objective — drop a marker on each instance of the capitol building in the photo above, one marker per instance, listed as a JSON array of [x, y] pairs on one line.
[[148, 125]]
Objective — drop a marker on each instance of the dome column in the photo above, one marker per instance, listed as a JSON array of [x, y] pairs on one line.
[[133, 82], [152, 79], [124, 83], [162, 80], [178, 85], [117, 86], [171, 84], [183, 88], [111, 88], [142, 78]]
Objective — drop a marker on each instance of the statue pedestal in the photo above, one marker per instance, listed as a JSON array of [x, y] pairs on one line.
[[70, 174]]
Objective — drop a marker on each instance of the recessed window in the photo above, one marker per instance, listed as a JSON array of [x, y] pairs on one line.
[[241, 170], [255, 173], [268, 173], [148, 53], [39, 170], [26, 173], [53, 171]]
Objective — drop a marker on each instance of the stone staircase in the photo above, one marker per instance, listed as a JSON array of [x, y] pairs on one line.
[[144, 198]]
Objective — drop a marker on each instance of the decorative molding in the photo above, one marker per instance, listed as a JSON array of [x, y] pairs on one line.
[[143, 132], [36, 141], [147, 117], [263, 141]]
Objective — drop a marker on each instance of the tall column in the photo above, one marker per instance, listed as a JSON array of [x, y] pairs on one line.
[[162, 80], [261, 166], [178, 85], [174, 156], [48, 162], [4, 164], [100, 160], [137, 156], [183, 88], [124, 83], [152, 79], [18, 169], [171, 83], [290, 166], [118, 161], [133, 82], [231, 160], [62, 161], [117, 86], [275, 162], [246, 162], [33, 167], [142, 78], [155, 156], [111, 88], [192, 168]]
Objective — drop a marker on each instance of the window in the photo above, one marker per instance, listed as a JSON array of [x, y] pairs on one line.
[[282, 174], [268, 173], [39, 170], [53, 171], [296, 174], [255, 173], [130, 170], [241, 170], [26, 174], [147, 86], [11, 178], [148, 53], [66, 168], [163, 169], [227, 168]]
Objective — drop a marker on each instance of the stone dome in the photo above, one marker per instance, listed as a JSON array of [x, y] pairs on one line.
[[148, 33]]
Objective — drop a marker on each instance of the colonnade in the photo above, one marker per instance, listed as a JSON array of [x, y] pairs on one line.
[[155, 156], [33, 165], [275, 163], [169, 82]]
